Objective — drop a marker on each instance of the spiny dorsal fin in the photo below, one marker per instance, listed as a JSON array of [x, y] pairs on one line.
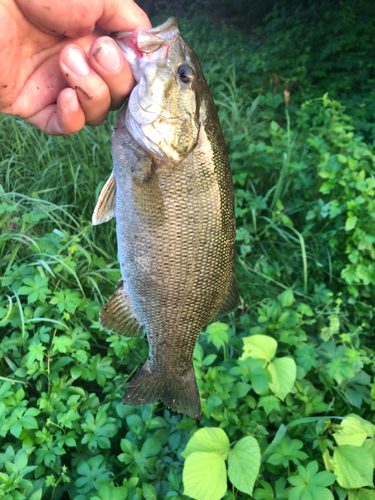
[[105, 207], [230, 301], [118, 315]]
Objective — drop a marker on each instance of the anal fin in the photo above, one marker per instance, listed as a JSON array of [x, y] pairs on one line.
[[230, 301], [106, 205], [118, 315]]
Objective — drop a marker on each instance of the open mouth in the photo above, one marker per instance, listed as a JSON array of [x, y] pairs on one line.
[[150, 45]]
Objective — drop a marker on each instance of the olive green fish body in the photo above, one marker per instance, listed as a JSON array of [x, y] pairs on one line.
[[175, 230]]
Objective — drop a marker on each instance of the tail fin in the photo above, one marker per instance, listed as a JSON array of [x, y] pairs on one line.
[[178, 392]]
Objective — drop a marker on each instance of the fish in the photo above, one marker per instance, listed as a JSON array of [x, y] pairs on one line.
[[171, 192]]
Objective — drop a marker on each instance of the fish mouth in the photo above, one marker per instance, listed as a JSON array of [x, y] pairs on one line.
[[147, 46]]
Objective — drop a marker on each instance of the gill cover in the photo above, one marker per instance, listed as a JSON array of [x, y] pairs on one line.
[[163, 109]]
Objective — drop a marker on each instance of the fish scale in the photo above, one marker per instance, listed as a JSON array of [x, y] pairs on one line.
[[173, 202]]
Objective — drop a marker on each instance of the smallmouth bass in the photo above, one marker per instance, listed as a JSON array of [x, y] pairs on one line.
[[171, 191]]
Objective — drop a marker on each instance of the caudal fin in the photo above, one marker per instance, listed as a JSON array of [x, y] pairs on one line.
[[178, 392]]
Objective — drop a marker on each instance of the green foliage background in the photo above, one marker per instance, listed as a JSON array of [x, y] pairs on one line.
[[277, 377]]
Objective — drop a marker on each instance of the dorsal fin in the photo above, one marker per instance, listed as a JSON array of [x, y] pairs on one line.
[[118, 315], [105, 207]]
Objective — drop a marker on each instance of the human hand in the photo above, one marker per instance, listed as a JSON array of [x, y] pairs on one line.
[[58, 69]]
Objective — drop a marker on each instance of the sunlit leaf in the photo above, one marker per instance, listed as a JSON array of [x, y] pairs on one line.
[[353, 466], [259, 347], [204, 476], [353, 430], [244, 464], [211, 439], [283, 371]]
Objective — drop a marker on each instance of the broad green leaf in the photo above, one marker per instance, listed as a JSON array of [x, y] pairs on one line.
[[351, 222], [211, 439], [259, 347], [362, 494], [16, 429], [213, 400], [198, 352], [240, 389], [369, 445], [208, 360], [149, 492], [244, 464], [61, 362], [173, 480], [204, 476], [286, 298], [352, 431], [21, 460], [260, 379], [37, 495], [151, 447], [283, 371], [353, 466], [76, 371]]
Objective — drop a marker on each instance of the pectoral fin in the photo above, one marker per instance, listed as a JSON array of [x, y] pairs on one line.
[[105, 207], [118, 315], [230, 301]]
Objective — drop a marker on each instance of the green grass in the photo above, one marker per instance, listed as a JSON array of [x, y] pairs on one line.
[[60, 176]]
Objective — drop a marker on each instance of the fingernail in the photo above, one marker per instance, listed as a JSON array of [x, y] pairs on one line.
[[72, 102], [107, 56], [76, 61]]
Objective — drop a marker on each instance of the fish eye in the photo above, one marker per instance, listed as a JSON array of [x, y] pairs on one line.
[[185, 73]]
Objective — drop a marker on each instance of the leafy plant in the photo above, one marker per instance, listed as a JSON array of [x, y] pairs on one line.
[[205, 474]]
